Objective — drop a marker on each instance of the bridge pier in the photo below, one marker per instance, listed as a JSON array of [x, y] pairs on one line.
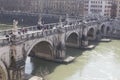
[[60, 54], [16, 73], [17, 63], [84, 43], [59, 44]]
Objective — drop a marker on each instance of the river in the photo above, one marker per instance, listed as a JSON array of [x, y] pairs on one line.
[[100, 63]]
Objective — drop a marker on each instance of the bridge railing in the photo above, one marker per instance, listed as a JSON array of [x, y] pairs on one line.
[[30, 28], [43, 33], [53, 28], [33, 28], [45, 26], [38, 33]]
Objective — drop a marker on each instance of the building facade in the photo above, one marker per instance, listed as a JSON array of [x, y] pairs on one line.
[[71, 7], [117, 2], [102, 7]]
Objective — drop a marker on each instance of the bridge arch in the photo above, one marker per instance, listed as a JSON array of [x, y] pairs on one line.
[[105, 29], [70, 34], [91, 34], [108, 30], [3, 72], [72, 38], [102, 28], [42, 49]]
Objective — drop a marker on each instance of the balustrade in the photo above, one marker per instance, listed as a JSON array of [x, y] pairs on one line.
[[32, 32]]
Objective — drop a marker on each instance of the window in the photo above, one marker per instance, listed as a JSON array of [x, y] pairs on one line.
[[109, 2], [86, 1], [92, 1], [86, 5], [86, 9]]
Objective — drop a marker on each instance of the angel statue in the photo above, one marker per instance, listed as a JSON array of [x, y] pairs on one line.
[[15, 27]]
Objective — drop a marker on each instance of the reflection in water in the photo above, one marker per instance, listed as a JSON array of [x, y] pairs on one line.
[[28, 66], [39, 67], [101, 63]]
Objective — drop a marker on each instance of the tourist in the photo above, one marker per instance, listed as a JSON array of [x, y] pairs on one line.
[[19, 32], [39, 27], [7, 36], [25, 30]]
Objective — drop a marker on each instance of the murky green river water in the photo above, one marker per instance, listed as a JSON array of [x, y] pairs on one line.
[[101, 63]]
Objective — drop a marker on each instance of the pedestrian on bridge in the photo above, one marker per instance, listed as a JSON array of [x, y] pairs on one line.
[[8, 38], [22, 30], [25, 30], [39, 27]]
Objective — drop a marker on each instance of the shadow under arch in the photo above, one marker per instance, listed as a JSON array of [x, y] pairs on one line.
[[42, 49], [102, 29], [42, 67], [35, 65], [90, 33], [107, 30], [72, 39]]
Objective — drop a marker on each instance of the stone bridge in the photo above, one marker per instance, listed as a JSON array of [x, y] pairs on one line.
[[49, 43]]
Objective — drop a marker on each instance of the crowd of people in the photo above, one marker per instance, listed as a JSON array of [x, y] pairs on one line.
[[43, 27], [10, 36], [22, 31]]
